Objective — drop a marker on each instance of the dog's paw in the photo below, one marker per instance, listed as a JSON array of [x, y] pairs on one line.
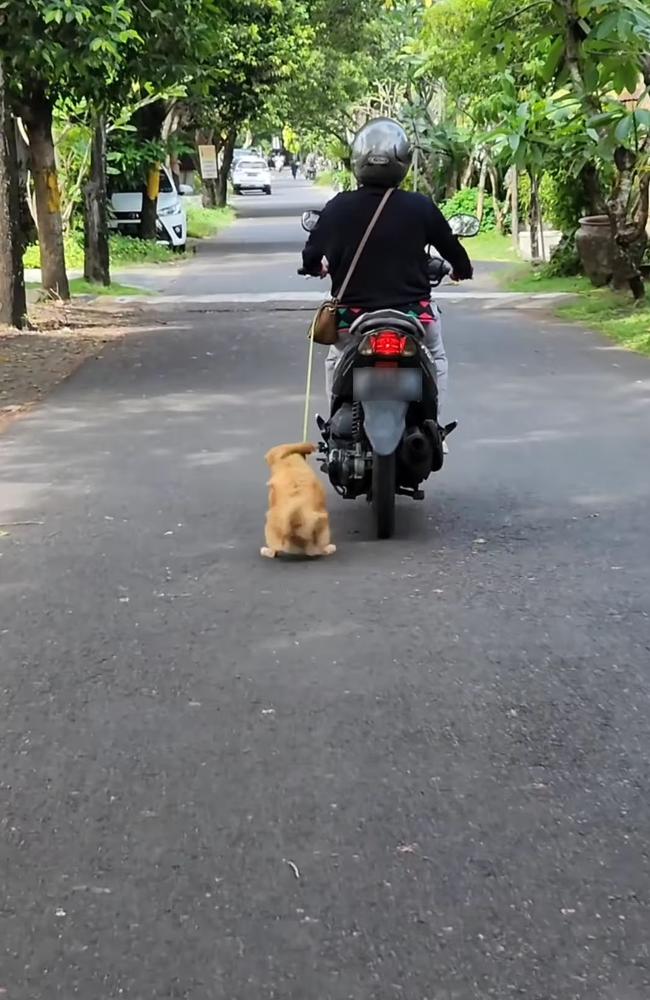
[[267, 552], [330, 550]]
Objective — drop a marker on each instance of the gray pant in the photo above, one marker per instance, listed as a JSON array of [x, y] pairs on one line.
[[433, 340]]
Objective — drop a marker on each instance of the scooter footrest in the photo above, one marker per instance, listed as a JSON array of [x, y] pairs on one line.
[[403, 491]]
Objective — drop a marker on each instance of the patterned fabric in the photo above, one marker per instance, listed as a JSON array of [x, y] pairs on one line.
[[420, 310]]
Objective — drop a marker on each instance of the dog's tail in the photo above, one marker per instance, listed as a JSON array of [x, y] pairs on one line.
[[284, 450]]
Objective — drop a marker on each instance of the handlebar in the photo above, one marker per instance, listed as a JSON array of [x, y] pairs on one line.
[[437, 267]]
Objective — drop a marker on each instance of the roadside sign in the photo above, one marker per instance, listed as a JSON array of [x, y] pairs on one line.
[[208, 157]]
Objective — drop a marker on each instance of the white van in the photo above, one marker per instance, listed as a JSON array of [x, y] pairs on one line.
[[125, 207]]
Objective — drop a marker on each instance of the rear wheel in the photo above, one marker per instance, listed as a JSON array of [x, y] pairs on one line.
[[267, 190], [383, 494], [237, 189]]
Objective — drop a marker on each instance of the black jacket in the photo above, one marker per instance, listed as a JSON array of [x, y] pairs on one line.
[[392, 271]]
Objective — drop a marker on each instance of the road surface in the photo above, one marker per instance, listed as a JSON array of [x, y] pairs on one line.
[[417, 770]]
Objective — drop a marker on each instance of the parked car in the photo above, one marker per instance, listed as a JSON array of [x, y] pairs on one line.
[[126, 206], [251, 175]]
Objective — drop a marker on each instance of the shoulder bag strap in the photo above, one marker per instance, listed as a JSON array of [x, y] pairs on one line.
[[362, 244]]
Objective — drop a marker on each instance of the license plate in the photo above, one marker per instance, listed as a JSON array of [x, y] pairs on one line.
[[404, 384]]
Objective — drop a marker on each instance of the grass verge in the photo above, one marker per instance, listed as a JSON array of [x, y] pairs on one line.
[[492, 246], [614, 315], [204, 222], [79, 286], [527, 279]]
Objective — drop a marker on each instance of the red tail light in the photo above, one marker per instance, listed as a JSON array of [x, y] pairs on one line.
[[388, 344]]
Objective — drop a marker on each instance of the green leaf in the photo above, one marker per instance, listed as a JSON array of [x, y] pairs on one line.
[[555, 53], [624, 129]]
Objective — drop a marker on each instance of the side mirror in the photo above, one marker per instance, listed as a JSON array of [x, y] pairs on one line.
[[309, 220], [464, 225], [184, 189]]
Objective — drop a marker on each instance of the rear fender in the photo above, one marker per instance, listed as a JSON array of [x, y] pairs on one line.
[[384, 422]]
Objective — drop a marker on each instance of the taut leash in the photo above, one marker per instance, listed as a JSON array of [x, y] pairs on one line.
[[310, 365]]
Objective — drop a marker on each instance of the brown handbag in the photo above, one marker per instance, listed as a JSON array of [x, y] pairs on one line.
[[324, 326]]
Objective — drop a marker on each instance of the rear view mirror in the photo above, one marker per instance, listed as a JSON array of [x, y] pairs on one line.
[[309, 220], [464, 225]]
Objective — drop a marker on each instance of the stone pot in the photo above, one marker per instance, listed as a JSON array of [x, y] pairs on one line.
[[595, 245]]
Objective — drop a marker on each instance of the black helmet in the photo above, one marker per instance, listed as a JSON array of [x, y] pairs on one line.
[[381, 153]]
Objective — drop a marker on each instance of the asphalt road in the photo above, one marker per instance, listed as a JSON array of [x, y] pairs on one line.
[[268, 228], [416, 770]]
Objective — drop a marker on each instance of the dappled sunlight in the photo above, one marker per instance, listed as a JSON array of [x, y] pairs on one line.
[[600, 501], [212, 458], [530, 437]]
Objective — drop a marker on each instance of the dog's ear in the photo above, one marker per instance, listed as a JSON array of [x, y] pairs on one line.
[[284, 450]]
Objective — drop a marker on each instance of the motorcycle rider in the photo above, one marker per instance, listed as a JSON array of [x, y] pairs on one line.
[[392, 272]]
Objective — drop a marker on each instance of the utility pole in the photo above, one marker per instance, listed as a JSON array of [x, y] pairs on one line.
[[13, 306]]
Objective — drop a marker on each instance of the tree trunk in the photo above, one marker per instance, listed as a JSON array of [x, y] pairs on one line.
[[500, 208], [209, 193], [13, 307], [630, 238], [514, 201], [96, 251], [466, 180], [226, 163], [28, 230], [451, 184], [149, 213], [593, 192], [480, 202], [149, 122], [48, 199], [534, 219]]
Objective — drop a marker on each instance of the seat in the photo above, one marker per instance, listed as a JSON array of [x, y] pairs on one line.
[[387, 319]]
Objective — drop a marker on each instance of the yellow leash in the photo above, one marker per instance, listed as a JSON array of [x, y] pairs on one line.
[[310, 365]]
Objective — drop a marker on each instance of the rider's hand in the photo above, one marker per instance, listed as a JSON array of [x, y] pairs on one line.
[[324, 268]]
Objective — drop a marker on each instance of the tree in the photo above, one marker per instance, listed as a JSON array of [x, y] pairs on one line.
[[13, 307], [583, 56], [66, 45], [259, 45]]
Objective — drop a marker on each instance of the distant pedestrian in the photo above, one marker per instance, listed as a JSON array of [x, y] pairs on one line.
[[294, 169]]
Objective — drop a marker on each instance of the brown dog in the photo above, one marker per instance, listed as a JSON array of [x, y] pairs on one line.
[[297, 522]]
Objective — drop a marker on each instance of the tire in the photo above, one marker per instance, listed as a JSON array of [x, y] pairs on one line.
[[267, 190], [383, 494], [236, 189]]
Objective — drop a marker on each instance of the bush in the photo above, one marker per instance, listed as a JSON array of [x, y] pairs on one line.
[[123, 249], [564, 262], [340, 180], [465, 202], [561, 198], [129, 250]]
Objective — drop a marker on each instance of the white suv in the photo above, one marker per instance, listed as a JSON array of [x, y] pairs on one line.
[[126, 206], [251, 174]]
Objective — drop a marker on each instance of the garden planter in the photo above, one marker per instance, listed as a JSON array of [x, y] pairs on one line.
[[595, 246]]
